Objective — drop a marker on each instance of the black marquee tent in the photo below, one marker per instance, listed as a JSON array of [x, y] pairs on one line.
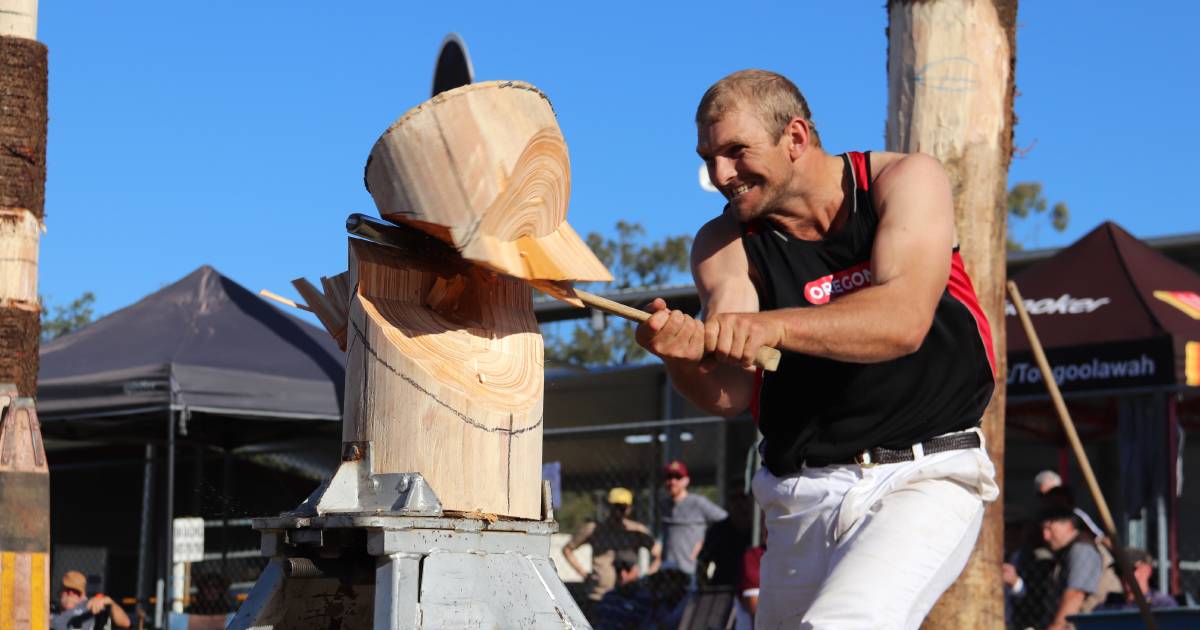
[[1120, 324], [200, 364], [1113, 314], [204, 343]]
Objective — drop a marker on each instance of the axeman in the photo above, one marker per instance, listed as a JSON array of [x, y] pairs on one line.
[[875, 476]]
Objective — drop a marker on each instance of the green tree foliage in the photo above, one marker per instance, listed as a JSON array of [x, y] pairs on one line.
[[1025, 200], [633, 263], [65, 319]]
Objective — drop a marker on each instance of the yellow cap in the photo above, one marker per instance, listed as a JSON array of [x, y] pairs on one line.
[[621, 496]]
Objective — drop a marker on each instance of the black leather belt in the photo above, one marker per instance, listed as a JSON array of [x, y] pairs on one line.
[[879, 455]]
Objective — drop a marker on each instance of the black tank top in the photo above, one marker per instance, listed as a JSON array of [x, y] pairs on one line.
[[815, 411]]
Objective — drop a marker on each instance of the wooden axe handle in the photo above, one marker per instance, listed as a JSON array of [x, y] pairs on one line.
[[766, 358]]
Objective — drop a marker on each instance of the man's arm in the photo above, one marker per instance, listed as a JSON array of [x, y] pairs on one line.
[[910, 264], [116, 613], [722, 275], [1072, 601], [713, 512], [655, 558], [581, 536]]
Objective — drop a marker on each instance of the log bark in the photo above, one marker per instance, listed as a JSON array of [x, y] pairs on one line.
[[444, 375], [950, 87], [22, 196], [485, 168]]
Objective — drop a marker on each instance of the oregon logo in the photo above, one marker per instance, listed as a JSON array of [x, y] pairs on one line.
[[821, 290]]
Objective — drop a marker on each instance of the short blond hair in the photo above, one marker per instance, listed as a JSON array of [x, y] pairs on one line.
[[768, 95]]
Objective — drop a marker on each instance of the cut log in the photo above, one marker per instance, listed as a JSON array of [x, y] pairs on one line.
[[444, 376], [484, 167]]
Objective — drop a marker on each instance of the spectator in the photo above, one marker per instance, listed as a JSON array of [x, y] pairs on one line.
[[79, 612], [628, 606], [1143, 568], [617, 533], [1078, 563], [726, 541], [685, 517], [1050, 489]]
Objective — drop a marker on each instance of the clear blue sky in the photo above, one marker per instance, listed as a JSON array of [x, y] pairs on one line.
[[234, 133]]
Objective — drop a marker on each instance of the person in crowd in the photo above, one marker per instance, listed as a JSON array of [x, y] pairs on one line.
[[616, 533], [1032, 575], [1050, 489], [685, 518], [79, 612], [1077, 569], [1143, 568], [627, 606], [726, 541]]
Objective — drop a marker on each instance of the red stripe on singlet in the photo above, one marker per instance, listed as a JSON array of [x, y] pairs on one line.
[[858, 162], [961, 288]]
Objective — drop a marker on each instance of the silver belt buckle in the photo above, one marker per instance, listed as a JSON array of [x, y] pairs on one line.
[[864, 459]]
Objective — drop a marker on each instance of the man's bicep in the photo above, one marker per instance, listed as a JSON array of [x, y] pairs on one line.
[[916, 229], [721, 270]]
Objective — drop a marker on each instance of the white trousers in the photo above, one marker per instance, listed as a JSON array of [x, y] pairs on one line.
[[874, 547]]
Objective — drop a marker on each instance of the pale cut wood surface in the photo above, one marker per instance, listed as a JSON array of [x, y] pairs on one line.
[[950, 88], [485, 168], [20, 231], [21, 447], [453, 392], [18, 18]]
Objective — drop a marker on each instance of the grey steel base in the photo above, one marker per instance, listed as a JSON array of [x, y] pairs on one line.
[[399, 572]]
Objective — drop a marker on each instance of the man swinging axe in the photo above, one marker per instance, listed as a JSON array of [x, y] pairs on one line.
[[875, 475]]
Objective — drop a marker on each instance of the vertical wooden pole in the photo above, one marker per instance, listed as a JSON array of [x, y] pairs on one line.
[[24, 476], [950, 93], [22, 190]]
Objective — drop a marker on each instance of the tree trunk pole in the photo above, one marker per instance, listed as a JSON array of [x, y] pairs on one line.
[[950, 94], [22, 190]]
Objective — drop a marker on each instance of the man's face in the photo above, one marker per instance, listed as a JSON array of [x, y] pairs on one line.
[[617, 511], [752, 169], [69, 598], [1058, 533], [675, 484]]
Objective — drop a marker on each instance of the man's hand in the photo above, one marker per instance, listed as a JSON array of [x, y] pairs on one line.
[[737, 337], [671, 335], [98, 602]]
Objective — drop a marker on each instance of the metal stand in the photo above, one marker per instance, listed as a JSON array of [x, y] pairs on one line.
[[375, 551]]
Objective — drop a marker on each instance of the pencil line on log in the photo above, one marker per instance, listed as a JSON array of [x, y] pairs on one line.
[[360, 337]]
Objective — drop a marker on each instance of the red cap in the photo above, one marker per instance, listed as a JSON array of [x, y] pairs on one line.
[[676, 468]]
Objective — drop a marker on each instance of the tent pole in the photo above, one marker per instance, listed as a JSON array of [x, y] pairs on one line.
[[170, 519], [143, 596], [1172, 585], [226, 489]]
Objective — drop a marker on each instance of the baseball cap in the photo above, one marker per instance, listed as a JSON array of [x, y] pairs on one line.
[[1138, 555], [75, 580], [620, 496], [676, 468]]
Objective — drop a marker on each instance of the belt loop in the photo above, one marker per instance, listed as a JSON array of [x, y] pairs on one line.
[[918, 451], [982, 440]]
